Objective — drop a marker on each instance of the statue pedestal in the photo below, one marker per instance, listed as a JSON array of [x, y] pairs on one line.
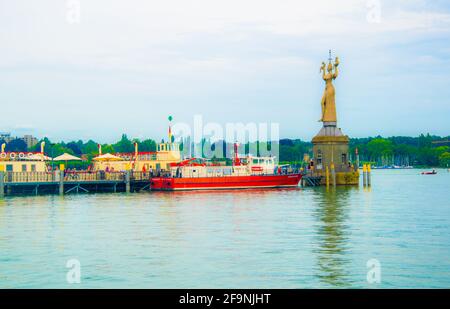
[[331, 152]]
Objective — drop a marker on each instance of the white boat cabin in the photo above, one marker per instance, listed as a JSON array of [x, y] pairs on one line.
[[249, 166]]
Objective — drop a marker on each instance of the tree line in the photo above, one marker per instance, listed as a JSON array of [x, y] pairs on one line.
[[424, 150]]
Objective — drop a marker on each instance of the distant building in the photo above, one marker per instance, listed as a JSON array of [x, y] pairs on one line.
[[30, 140], [441, 143], [4, 136]]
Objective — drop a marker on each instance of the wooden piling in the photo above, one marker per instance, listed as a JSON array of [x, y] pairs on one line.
[[368, 175], [2, 184], [333, 174], [127, 181], [364, 175], [61, 182], [327, 176]]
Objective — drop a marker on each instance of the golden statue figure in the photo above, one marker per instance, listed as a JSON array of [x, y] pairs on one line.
[[328, 99]]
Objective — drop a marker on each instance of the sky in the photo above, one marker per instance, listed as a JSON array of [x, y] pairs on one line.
[[117, 66]]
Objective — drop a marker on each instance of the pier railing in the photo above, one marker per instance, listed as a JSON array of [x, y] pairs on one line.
[[13, 177], [75, 176]]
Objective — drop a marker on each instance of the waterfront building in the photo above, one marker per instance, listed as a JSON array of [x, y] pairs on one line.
[[30, 140], [159, 160], [331, 158], [22, 161]]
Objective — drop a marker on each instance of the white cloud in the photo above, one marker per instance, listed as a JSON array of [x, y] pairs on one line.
[[137, 51]]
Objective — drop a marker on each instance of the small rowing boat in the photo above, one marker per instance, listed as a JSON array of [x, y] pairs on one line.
[[433, 172]]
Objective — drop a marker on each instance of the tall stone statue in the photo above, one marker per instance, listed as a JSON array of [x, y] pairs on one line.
[[328, 99], [331, 158]]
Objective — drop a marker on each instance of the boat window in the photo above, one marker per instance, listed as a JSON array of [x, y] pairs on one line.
[[24, 167], [255, 161], [9, 167], [33, 167]]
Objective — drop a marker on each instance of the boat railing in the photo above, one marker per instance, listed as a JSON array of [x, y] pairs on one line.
[[190, 174]]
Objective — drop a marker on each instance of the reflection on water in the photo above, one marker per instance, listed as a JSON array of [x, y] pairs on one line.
[[332, 235], [294, 238]]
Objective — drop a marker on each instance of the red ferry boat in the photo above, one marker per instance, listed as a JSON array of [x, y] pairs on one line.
[[246, 173]]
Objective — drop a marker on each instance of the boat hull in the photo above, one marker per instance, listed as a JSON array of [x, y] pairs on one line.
[[225, 182]]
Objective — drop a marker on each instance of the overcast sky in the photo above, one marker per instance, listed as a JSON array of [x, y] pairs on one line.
[[124, 66]]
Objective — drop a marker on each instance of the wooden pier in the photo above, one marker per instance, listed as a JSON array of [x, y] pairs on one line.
[[60, 182]]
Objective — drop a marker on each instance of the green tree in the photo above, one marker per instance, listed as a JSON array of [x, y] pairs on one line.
[[147, 145], [444, 159], [90, 148], [58, 149], [380, 149], [76, 149], [16, 145], [124, 145], [107, 148], [425, 140], [440, 150]]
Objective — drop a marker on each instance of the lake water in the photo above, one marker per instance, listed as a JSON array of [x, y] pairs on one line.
[[296, 238]]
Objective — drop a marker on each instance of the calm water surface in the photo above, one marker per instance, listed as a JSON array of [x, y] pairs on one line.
[[293, 238]]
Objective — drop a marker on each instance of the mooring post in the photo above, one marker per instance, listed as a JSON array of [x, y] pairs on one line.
[[368, 175], [327, 176], [333, 174], [61, 182], [2, 184], [127, 181], [364, 174]]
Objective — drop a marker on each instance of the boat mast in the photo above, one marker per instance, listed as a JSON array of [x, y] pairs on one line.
[[236, 160]]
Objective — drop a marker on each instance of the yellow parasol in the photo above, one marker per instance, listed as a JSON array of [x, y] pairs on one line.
[[108, 157], [66, 157]]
